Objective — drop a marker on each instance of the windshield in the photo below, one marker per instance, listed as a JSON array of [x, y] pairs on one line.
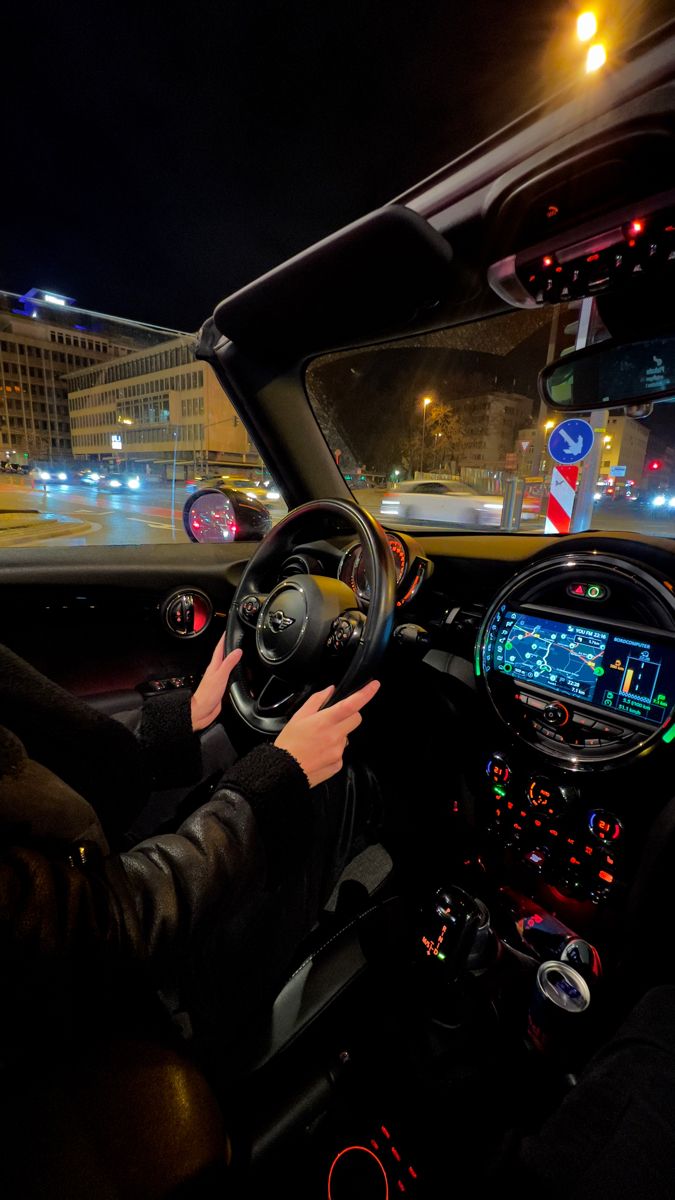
[[447, 431]]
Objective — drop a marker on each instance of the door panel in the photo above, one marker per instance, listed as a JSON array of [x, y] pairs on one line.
[[91, 618]]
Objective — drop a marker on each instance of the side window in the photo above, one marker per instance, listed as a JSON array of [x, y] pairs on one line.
[[111, 447]]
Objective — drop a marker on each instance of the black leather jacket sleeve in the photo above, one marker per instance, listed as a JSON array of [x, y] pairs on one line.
[[247, 833], [149, 901]]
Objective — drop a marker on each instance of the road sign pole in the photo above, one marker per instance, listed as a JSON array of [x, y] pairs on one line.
[[583, 507]]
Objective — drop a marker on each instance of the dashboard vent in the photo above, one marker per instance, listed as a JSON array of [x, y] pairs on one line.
[[465, 620], [300, 564]]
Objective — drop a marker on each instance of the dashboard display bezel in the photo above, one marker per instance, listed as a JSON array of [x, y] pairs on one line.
[[641, 736]]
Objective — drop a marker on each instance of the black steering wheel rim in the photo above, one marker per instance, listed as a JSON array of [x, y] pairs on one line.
[[374, 627]]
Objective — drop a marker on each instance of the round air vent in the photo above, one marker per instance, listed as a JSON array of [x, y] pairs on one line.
[[300, 564], [187, 613]]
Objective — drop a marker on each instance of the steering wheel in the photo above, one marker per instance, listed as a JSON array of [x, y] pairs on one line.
[[304, 632]]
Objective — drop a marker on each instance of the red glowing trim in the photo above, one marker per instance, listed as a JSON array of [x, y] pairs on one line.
[[374, 1144], [365, 1150], [517, 826], [396, 1154], [605, 875], [553, 832], [523, 814], [558, 270], [385, 1132], [670, 228], [588, 849], [593, 258], [548, 261], [509, 803], [575, 862], [537, 822], [498, 812], [609, 861], [400, 1185], [571, 841], [631, 241], [412, 1173], [637, 226]]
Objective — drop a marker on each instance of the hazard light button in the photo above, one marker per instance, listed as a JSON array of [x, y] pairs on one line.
[[587, 591]]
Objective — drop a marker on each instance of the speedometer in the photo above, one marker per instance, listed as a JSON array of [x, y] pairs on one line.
[[353, 568]]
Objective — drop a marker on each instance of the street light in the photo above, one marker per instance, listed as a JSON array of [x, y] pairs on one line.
[[425, 404], [549, 425], [587, 26]]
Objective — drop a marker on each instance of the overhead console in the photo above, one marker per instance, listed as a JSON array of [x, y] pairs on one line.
[[601, 214]]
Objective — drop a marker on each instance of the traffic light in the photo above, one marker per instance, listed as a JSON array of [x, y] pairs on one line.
[[656, 464]]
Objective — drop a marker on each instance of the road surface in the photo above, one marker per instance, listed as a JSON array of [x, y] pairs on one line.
[[149, 517]]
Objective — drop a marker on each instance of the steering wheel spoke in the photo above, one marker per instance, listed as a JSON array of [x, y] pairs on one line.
[[279, 697]]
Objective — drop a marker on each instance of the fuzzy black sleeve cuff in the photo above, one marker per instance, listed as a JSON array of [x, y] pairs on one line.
[[168, 740], [277, 789]]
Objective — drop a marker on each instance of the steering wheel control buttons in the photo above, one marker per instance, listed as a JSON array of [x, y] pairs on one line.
[[249, 609], [345, 630]]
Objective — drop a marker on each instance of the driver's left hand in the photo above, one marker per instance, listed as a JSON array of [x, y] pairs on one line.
[[208, 698]]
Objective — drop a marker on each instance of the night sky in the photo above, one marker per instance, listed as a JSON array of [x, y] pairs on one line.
[[153, 165]]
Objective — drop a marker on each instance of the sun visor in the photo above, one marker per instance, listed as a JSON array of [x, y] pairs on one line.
[[372, 279]]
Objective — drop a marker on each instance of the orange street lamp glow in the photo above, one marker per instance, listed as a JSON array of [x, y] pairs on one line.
[[596, 57], [587, 26]]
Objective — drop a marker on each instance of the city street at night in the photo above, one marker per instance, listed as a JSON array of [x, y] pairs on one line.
[[149, 516]]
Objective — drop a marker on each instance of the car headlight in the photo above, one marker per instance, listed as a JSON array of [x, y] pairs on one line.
[[115, 483], [658, 501], [273, 495], [671, 502], [597, 495], [62, 476], [45, 475], [134, 483]]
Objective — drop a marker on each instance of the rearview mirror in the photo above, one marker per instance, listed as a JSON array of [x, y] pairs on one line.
[[224, 515], [611, 375]]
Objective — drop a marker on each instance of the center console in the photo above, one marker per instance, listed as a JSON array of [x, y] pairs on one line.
[[576, 658]]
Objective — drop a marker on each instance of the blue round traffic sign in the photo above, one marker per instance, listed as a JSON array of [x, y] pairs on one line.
[[570, 441]]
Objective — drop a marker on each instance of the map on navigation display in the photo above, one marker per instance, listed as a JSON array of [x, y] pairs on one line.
[[565, 658]]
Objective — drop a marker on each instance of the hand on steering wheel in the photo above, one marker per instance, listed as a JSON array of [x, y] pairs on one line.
[[303, 632], [317, 736]]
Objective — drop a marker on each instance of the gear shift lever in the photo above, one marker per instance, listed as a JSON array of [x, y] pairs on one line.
[[455, 944]]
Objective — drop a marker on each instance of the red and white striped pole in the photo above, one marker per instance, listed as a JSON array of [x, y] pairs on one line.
[[561, 498]]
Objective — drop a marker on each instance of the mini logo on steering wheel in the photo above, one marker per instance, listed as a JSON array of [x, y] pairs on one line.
[[278, 621]]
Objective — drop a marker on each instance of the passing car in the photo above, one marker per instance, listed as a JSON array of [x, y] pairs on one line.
[[440, 502], [53, 472], [513, 898], [256, 489], [112, 481]]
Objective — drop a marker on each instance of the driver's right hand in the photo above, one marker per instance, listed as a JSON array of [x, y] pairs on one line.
[[317, 736]]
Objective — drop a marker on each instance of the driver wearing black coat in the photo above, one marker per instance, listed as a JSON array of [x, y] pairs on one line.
[[77, 919]]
